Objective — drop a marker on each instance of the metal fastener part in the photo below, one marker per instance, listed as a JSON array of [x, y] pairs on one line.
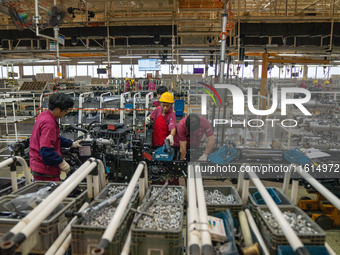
[[217, 198], [170, 195], [297, 222], [165, 217], [101, 218]]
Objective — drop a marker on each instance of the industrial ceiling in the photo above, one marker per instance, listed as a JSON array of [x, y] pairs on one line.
[[95, 28]]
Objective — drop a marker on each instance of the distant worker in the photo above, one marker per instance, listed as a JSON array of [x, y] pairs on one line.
[[303, 84], [189, 133], [127, 85], [160, 91], [151, 85], [164, 121], [45, 143]]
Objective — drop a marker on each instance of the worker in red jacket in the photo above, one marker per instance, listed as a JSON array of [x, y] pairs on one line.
[[164, 121], [189, 133], [46, 160]]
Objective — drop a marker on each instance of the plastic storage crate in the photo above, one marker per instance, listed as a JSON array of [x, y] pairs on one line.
[[79, 197], [103, 194], [228, 223], [225, 190], [259, 200], [85, 238], [313, 250], [157, 242], [46, 233], [179, 107], [158, 201], [296, 156], [6, 185], [273, 239], [280, 197]]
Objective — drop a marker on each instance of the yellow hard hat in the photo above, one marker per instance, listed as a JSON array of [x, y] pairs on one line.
[[127, 79], [315, 81], [167, 97], [326, 82], [132, 80], [303, 78]]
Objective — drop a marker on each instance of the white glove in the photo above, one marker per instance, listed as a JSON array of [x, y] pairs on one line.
[[203, 157], [171, 139], [64, 166], [147, 120], [76, 144]]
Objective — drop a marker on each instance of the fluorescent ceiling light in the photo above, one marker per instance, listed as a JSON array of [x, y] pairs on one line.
[[132, 56], [111, 62], [192, 56], [248, 60], [290, 55], [86, 62], [50, 60], [45, 61], [192, 59]]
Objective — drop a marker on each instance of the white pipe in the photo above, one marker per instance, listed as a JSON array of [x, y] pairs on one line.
[[240, 180], [5, 106], [134, 112], [203, 216], [122, 102], [143, 184], [101, 104], [23, 163], [41, 98], [89, 186], [25, 169], [126, 248], [63, 235], [120, 210], [15, 121], [64, 246], [29, 223], [319, 187], [295, 188], [101, 172], [80, 112], [95, 185], [289, 233], [223, 47], [248, 240], [33, 219], [256, 232], [6, 162], [329, 249], [148, 97], [14, 181], [245, 191], [193, 228]]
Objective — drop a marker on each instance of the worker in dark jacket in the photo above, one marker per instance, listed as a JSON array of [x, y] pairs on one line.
[[45, 143]]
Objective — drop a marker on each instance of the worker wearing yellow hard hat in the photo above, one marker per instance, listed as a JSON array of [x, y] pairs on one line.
[[164, 121], [127, 85], [315, 81], [326, 82]]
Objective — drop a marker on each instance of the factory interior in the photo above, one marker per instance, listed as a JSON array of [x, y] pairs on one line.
[[170, 127]]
